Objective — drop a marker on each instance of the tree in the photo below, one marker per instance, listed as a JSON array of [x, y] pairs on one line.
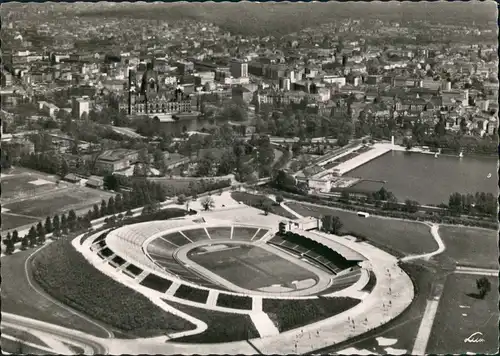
[[40, 234], [408, 143], [119, 203], [483, 285], [15, 236], [111, 205], [336, 225], [48, 225], [207, 203], [9, 244], [455, 204], [181, 199], [64, 223], [265, 205], [32, 236], [111, 182], [279, 199], [64, 169], [137, 172], [25, 242], [342, 140], [411, 206], [331, 224], [71, 220], [104, 209], [344, 196], [95, 212], [56, 225]]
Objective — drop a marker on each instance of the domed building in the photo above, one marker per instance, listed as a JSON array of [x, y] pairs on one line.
[[153, 98]]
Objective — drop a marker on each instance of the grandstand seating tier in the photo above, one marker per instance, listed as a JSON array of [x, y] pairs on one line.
[[177, 238], [243, 233], [196, 234], [216, 233]]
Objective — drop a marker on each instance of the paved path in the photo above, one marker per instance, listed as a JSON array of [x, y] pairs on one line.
[[90, 344], [439, 241], [477, 271], [264, 324], [424, 331], [291, 211]]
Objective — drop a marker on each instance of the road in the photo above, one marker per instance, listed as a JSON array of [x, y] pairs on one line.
[[89, 344]]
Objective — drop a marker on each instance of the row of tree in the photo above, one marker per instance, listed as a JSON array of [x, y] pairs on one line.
[[480, 203], [56, 226]]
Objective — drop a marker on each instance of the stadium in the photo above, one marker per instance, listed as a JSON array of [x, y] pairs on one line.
[[254, 268]]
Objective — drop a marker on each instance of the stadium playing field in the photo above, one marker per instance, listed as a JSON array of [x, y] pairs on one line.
[[251, 267]]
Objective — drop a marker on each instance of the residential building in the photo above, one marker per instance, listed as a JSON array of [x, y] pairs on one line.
[[239, 69]]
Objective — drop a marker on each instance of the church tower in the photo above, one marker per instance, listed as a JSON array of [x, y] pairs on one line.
[[132, 91]]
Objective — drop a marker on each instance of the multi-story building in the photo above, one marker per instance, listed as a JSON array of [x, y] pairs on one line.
[[239, 69], [80, 106]]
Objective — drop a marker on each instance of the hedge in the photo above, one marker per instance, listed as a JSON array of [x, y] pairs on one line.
[[193, 294], [234, 301], [157, 283], [288, 314], [67, 276], [222, 327]]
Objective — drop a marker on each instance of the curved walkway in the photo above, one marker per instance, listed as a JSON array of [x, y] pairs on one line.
[[439, 241], [90, 344]]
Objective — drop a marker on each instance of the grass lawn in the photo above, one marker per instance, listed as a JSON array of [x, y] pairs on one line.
[[65, 274], [404, 327], [400, 237], [222, 327], [460, 315], [469, 246], [18, 297], [251, 267], [17, 183], [288, 314], [58, 202], [13, 221], [256, 200]]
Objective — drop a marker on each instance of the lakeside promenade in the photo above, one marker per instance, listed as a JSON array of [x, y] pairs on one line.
[[378, 150]]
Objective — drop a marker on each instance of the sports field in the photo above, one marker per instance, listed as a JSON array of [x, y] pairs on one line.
[[251, 267], [402, 237], [469, 246], [27, 211], [460, 314], [21, 183]]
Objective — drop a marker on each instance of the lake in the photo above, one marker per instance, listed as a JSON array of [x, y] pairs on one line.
[[430, 180]]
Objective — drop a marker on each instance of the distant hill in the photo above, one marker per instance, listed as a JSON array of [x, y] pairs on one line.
[[267, 18], [278, 19]]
